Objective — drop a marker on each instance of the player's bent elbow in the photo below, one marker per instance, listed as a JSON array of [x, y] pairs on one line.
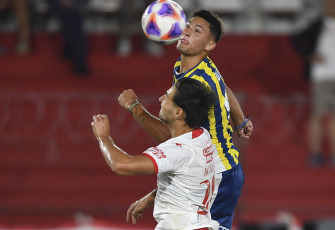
[[120, 169]]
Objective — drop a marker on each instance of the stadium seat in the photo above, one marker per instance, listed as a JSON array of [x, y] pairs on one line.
[[219, 6], [279, 16], [283, 6], [187, 4], [104, 5]]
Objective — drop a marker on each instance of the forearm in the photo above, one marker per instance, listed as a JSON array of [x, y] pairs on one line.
[[119, 161], [155, 127], [237, 116], [113, 155]]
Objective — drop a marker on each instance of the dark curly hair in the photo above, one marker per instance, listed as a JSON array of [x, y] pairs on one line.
[[215, 22], [196, 99]]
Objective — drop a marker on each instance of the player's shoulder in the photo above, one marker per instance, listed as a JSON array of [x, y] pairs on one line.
[[199, 137], [188, 139], [209, 62], [208, 67], [175, 144]]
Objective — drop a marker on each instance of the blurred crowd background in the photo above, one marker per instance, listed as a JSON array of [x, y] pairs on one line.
[[62, 61], [122, 18]]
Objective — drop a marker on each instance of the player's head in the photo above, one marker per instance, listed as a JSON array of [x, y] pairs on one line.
[[215, 23], [188, 100], [202, 33]]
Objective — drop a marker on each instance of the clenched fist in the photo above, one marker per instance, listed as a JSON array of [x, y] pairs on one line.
[[100, 126], [127, 98]]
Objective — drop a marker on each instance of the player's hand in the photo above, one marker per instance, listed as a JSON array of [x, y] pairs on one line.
[[136, 209], [127, 98], [246, 131], [100, 126], [134, 212]]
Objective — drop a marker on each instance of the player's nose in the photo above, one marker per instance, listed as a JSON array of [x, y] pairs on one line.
[[186, 31], [161, 98]]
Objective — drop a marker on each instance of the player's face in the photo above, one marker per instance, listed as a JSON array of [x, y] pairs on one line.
[[196, 38], [168, 107]]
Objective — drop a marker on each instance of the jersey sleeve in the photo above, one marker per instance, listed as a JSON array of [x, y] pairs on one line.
[[168, 158]]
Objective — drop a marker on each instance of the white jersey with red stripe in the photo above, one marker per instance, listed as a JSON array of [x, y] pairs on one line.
[[185, 178]]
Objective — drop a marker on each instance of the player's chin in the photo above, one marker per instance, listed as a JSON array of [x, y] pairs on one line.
[[160, 116], [181, 48]]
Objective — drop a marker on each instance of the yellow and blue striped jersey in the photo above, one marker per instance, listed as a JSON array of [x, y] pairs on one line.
[[218, 121]]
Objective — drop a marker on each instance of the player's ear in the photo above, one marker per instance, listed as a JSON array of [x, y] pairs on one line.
[[210, 46], [180, 114]]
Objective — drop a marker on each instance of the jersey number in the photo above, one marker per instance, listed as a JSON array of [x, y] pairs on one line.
[[208, 196]]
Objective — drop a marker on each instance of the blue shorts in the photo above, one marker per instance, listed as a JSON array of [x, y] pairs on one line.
[[228, 193]]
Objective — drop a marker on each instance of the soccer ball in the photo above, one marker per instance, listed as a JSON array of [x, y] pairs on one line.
[[163, 21]]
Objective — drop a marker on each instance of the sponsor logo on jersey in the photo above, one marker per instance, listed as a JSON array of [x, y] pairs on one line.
[[158, 152], [208, 153]]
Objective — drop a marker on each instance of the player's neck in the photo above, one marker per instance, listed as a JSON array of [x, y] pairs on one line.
[[179, 129], [188, 62]]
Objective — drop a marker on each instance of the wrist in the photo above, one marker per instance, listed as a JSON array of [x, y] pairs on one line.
[[132, 106], [242, 125], [103, 138], [151, 199]]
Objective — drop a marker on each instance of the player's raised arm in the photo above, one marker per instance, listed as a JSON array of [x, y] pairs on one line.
[[244, 126], [119, 161], [155, 127]]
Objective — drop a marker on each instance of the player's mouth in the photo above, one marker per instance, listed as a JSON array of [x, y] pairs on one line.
[[183, 40]]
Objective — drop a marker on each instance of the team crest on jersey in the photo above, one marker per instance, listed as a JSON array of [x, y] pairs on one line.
[[158, 152], [208, 153]]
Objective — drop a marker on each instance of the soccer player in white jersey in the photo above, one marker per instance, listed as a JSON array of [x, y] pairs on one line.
[[184, 164]]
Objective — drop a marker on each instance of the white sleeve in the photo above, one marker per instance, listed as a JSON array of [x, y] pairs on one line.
[[168, 157]]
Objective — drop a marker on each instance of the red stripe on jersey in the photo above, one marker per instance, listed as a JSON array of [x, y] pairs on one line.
[[197, 132], [153, 161]]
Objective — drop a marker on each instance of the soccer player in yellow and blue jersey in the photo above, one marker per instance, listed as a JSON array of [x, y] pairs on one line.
[[200, 37], [217, 124]]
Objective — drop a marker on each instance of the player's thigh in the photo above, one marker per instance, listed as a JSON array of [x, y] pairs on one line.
[[228, 187]]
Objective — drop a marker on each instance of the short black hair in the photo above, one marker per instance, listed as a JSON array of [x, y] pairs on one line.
[[215, 22], [196, 99]]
